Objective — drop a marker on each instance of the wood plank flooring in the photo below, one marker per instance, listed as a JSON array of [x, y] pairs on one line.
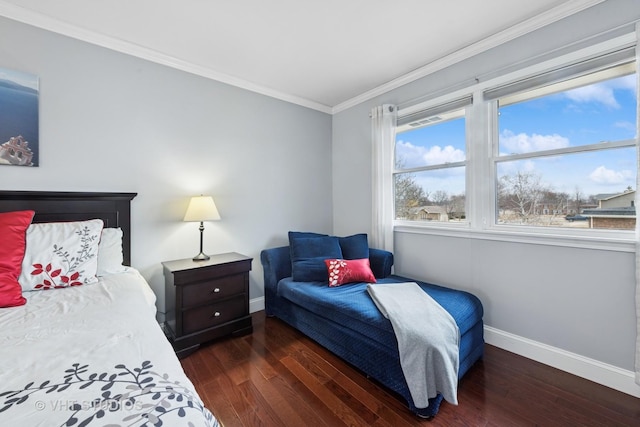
[[278, 377]]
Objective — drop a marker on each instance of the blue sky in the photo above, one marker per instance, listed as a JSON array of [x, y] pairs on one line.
[[599, 112]]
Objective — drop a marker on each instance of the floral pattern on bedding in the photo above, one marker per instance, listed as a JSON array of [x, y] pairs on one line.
[[56, 278], [142, 396]]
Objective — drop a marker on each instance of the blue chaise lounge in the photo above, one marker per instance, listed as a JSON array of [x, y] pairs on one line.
[[346, 321]]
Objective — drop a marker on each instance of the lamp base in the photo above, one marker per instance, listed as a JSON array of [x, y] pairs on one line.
[[201, 257]]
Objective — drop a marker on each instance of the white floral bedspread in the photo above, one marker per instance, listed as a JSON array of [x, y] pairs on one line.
[[93, 355]]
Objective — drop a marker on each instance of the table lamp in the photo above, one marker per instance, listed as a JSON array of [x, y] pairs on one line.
[[200, 209]]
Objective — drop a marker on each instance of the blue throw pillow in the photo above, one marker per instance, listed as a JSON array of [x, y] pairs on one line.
[[303, 234], [354, 247], [308, 255]]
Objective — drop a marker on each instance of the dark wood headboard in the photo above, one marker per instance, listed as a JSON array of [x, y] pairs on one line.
[[53, 206]]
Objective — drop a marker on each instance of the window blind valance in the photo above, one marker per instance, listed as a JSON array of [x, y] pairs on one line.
[[425, 116], [601, 63]]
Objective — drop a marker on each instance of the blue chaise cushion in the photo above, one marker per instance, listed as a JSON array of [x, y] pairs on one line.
[[354, 247], [303, 234], [308, 255]]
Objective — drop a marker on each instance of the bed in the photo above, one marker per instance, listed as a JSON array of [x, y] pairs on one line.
[[345, 319], [88, 351]]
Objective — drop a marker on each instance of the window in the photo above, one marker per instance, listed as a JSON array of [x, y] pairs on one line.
[[566, 154], [544, 154], [430, 163]]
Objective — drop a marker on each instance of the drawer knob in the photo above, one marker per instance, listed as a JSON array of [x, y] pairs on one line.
[[216, 290], [216, 314]]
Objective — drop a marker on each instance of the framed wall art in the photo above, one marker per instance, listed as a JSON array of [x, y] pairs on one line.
[[18, 118]]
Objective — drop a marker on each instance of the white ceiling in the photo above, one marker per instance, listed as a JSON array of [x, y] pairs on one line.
[[323, 54]]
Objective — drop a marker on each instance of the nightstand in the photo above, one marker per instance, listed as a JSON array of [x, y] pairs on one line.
[[206, 300]]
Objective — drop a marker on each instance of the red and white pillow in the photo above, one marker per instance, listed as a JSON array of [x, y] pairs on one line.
[[60, 254], [343, 271], [13, 227]]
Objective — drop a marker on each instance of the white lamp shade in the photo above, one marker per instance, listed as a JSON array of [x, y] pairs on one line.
[[201, 208]]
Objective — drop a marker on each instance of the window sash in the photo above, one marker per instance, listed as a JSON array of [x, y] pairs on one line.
[[567, 150]]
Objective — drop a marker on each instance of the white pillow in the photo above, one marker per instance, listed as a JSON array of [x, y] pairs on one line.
[[110, 256], [60, 254]]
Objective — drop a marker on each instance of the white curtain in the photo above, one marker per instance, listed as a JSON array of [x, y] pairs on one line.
[[637, 205], [383, 130]]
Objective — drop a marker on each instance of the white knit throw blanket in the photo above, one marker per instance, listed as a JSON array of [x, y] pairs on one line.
[[428, 340]]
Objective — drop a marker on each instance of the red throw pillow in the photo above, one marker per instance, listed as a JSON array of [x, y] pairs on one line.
[[343, 271], [13, 229]]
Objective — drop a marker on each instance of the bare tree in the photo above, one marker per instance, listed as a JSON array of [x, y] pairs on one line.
[[456, 206], [408, 195], [578, 200], [439, 198], [552, 204], [520, 194], [555, 202]]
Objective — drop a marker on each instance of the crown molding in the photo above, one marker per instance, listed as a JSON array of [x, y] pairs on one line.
[[29, 17], [567, 9]]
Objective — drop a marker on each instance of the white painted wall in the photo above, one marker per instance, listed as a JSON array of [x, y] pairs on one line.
[[556, 304], [111, 122]]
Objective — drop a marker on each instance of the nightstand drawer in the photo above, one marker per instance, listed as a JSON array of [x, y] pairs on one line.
[[208, 316], [212, 290]]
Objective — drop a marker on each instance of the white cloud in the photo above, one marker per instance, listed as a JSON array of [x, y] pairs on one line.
[[594, 93], [437, 155], [602, 175], [627, 82], [523, 143], [625, 125], [413, 155], [603, 93], [408, 154]]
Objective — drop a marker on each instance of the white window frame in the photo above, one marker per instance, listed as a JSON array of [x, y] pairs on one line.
[[481, 158], [437, 108]]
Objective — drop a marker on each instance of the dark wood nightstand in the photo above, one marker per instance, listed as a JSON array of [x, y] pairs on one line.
[[206, 300]]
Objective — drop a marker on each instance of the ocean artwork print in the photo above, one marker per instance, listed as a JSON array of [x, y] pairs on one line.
[[18, 118]]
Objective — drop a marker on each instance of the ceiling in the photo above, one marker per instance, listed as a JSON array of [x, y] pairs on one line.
[[323, 54]]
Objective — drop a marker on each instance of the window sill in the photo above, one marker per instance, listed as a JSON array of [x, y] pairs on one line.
[[619, 241]]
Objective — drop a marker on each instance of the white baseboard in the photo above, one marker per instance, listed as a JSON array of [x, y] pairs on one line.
[[256, 304], [593, 370]]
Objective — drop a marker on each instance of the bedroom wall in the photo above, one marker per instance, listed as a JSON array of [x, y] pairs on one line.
[[112, 122], [571, 308]]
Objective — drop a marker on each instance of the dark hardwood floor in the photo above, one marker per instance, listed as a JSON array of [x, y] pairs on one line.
[[278, 377]]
